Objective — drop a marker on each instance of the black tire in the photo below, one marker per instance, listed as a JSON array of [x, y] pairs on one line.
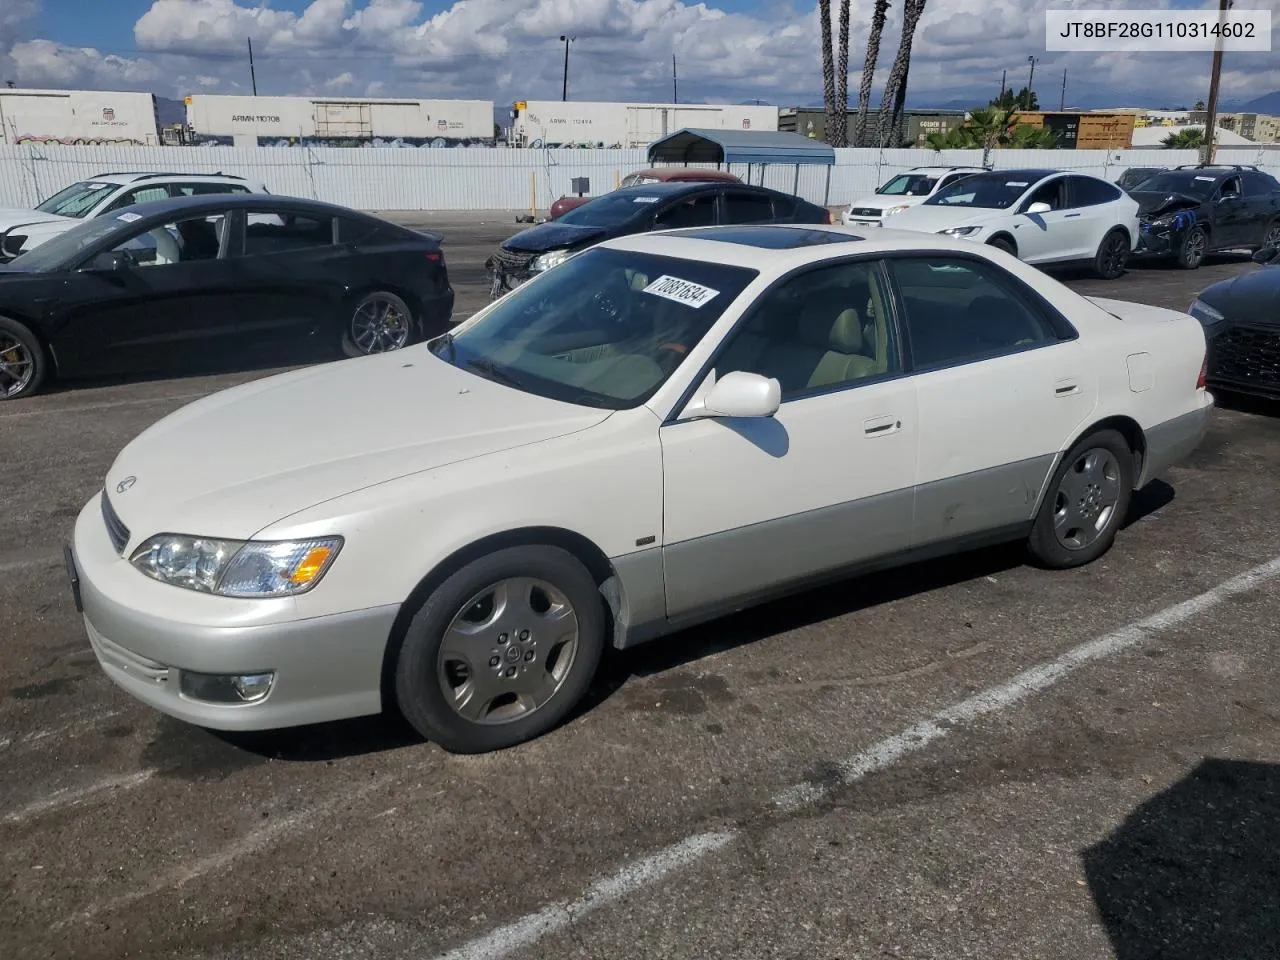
[[421, 672], [1192, 250], [404, 322], [23, 361], [1051, 547], [1000, 243], [1113, 256], [1271, 235]]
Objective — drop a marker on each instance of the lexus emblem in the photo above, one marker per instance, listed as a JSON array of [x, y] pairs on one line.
[[126, 484]]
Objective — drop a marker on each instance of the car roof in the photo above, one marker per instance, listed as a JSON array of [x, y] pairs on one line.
[[670, 188], [960, 169], [123, 178], [1027, 173], [743, 246], [239, 201]]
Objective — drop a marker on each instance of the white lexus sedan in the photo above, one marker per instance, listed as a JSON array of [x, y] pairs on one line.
[[1040, 216], [663, 429]]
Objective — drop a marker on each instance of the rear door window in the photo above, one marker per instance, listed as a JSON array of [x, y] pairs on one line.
[[284, 231], [203, 189], [742, 207], [139, 195]]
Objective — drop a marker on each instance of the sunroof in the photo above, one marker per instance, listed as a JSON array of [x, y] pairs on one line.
[[769, 237]]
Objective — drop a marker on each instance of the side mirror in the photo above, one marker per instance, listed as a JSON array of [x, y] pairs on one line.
[[111, 261], [1228, 196], [739, 394], [1266, 255], [1038, 207]]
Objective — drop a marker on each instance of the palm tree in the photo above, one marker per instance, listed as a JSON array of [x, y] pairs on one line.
[[957, 138], [896, 87], [828, 68], [1189, 139], [869, 69], [1026, 137], [842, 78]]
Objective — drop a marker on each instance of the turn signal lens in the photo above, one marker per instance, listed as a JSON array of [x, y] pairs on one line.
[[311, 565], [1203, 379]]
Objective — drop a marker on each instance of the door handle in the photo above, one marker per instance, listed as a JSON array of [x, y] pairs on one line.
[[1065, 388], [881, 426], [1068, 216]]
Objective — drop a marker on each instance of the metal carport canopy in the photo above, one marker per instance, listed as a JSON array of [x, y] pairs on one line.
[[740, 146]]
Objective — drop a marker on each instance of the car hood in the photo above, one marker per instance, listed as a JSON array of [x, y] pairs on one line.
[[1154, 203], [933, 218], [14, 216], [1250, 297], [553, 236], [239, 460]]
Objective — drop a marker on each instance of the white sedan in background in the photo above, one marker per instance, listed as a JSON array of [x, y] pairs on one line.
[[902, 192], [1040, 216], [663, 429]]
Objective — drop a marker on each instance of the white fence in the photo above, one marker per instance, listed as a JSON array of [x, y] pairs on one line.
[[483, 178]]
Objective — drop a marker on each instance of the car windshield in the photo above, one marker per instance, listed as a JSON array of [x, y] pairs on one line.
[[610, 210], [996, 191], [77, 200], [1196, 185], [60, 252], [603, 329], [635, 180], [909, 185]]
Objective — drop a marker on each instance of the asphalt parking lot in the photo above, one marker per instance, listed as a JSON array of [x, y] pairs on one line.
[[968, 758]]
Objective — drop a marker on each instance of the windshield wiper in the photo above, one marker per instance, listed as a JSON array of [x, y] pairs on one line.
[[488, 368], [447, 340]]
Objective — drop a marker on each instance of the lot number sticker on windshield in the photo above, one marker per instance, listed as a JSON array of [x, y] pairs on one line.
[[644, 199], [682, 291], [1015, 183], [129, 217], [1210, 179]]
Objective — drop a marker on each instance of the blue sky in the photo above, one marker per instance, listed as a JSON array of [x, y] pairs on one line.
[[729, 50]]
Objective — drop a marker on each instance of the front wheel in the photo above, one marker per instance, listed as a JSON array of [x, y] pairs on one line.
[[1112, 256], [23, 363], [1271, 238], [380, 322], [1000, 243], [1195, 244], [1085, 503], [502, 651]]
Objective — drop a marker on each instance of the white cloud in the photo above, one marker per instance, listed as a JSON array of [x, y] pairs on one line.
[[208, 81], [509, 49]]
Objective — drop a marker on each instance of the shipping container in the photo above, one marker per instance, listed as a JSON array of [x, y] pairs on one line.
[[623, 126], [338, 121], [78, 117], [1084, 131]]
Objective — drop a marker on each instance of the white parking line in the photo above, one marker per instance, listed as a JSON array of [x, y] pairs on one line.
[[878, 757], [70, 796], [70, 730]]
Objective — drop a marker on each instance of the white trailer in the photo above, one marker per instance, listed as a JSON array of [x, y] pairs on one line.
[[77, 117], [579, 123], [253, 121]]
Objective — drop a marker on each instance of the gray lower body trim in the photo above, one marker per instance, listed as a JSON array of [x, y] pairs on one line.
[[983, 500], [637, 595], [1172, 441]]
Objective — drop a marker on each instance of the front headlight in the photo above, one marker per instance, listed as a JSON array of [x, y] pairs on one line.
[[549, 260], [237, 568], [898, 209], [960, 231], [1206, 314]]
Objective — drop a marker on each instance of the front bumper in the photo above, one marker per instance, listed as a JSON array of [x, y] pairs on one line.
[[326, 668], [503, 279], [1172, 441], [1245, 358]]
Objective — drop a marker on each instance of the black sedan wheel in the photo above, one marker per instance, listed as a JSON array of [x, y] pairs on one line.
[[1112, 256], [380, 322], [1272, 237], [22, 361], [1194, 246]]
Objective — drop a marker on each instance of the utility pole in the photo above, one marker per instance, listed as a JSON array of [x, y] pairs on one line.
[[253, 77], [1062, 104], [675, 90], [1211, 109], [1031, 80], [564, 90], [1002, 79]]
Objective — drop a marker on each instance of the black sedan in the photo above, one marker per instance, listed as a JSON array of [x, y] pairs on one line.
[[195, 281], [1241, 320], [1190, 211], [628, 210]]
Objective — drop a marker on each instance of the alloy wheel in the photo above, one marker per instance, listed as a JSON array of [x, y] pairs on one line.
[[1272, 239], [17, 365], [379, 325], [1195, 247], [1086, 498], [508, 651], [1114, 256]]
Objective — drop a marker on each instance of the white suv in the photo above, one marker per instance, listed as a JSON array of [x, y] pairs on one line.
[[901, 192], [20, 230]]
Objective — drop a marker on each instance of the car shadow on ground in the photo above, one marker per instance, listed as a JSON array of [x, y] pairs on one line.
[[1193, 872], [1245, 403], [1149, 266], [183, 750]]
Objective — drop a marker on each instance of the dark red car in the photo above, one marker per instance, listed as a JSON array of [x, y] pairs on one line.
[[651, 175]]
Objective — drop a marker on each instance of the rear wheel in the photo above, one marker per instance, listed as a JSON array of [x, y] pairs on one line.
[[1271, 238], [1195, 244], [1112, 256], [1085, 503], [380, 322], [502, 651], [1000, 243], [23, 363]]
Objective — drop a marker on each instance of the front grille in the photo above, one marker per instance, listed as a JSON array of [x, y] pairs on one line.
[[864, 212], [513, 261], [116, 530], [1247, 356]]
